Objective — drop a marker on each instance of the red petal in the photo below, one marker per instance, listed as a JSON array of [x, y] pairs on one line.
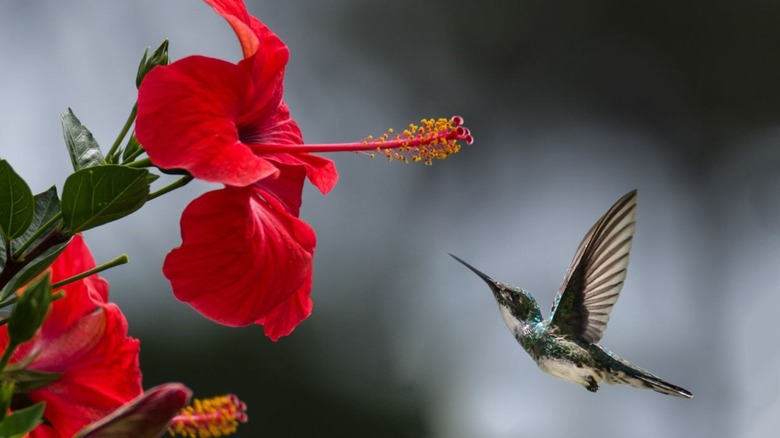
[[76, 259], [253, 35], [288, 314], [265, 56], [242, 255], [286, 189], [100, 371], [239, 19], [264, 125], [83, 296], [188, 114], [320, 171], [98, 376]]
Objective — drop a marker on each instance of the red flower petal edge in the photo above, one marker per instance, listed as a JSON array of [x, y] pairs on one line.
[[244, 259]]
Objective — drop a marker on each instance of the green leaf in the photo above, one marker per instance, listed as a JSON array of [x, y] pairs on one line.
[[83, 148], [34, 268], [16, 203], [47, 205], [150, 178], [30, 311], [22, 421], [99, 195]]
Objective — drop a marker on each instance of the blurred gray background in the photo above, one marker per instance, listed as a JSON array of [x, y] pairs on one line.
[[572, 105]]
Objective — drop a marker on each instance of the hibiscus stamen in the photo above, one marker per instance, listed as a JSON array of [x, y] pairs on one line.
[[207, 418], [432, 139]]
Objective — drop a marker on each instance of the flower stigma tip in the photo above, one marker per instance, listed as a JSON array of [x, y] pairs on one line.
[[209, 418], [432, 139]]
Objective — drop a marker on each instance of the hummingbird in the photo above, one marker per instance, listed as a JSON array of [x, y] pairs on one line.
[[566, 345]]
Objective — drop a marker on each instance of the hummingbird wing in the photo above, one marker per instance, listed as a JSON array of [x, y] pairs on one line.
[[595, 275]]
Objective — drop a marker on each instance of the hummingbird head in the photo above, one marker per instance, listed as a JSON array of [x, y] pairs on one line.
[[520, 304]]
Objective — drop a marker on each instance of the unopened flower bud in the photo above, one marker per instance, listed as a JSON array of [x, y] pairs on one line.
[[158, 57], [147, 415]]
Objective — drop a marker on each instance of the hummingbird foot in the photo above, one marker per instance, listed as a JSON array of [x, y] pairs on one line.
[[592, 385]]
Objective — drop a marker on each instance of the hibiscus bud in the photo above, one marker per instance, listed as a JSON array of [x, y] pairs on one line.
[[159, 57], [148, 415], [30, 311]]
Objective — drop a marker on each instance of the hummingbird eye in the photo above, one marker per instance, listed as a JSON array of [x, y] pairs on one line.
[[511, 296]]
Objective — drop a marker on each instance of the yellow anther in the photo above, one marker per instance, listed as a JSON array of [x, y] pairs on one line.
[[432, 139], [209, 418]]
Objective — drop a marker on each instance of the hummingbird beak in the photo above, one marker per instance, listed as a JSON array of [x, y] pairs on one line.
[[492, 283]]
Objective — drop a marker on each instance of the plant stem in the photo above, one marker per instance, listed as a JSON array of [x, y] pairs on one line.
[[122, 133], [133, 156], [146, 162], [181, 182], [121, 260], [37, 233]]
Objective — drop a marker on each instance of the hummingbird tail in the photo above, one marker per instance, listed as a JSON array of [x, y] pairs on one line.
[[642, 379], [624, 372]]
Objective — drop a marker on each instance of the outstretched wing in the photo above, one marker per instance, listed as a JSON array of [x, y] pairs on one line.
[[595, 276]]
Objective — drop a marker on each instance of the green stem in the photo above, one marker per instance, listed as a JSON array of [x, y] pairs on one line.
[[121, 260], [123, 133], [146, 162], [181, 182], [133, 156], [43, 228]]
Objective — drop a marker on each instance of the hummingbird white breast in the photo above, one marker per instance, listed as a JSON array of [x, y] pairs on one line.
[[569, 371]]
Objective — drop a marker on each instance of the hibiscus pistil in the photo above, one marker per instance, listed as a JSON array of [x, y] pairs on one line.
[[213, 417], [431, 139]]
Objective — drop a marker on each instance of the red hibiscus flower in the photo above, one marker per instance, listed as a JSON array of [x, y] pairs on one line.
[[246, 257], [84, 340]]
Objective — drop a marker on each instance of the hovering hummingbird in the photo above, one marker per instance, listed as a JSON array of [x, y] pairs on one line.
[[566, 345]]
